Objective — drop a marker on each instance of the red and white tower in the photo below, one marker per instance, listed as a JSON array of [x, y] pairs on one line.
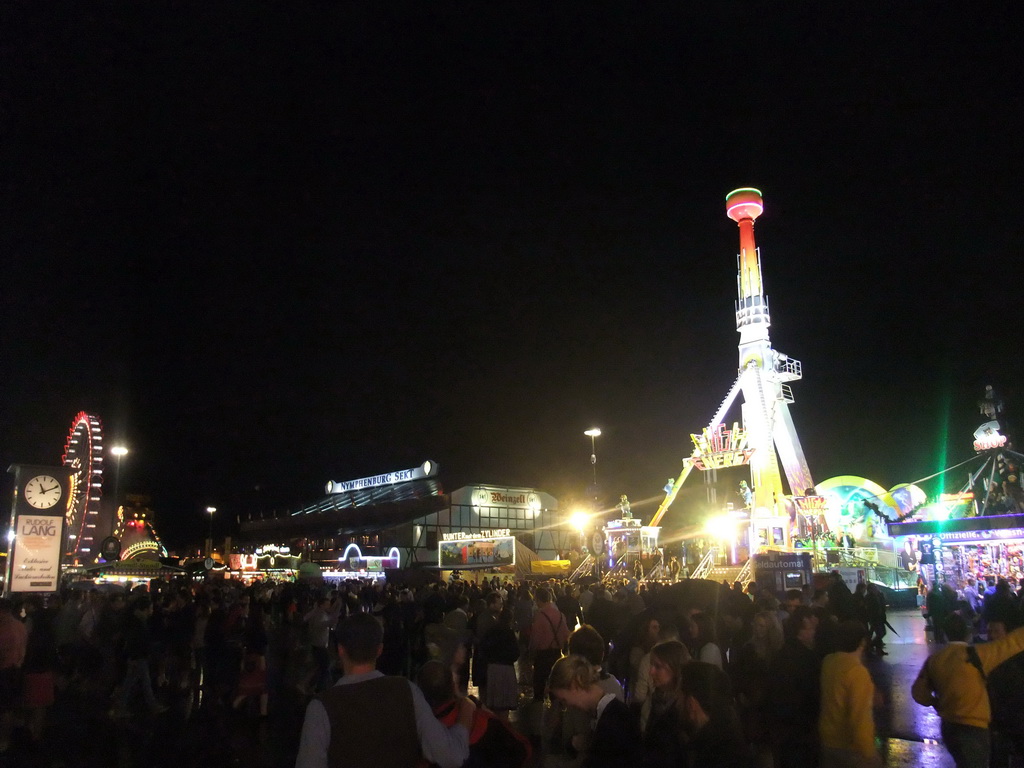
[[768, 435], [763, 372]]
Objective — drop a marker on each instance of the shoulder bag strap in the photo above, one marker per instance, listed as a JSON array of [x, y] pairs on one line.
[[975, 661]]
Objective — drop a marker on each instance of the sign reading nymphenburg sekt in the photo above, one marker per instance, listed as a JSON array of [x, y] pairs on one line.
[[426, 469]]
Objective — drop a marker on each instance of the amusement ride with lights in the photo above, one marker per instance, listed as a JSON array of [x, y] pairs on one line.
[[131, 527], [837, 511], [767, 433], [83, 454]]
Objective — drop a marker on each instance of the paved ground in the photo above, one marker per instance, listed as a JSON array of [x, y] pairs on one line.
[[83, 736], [910, 732]]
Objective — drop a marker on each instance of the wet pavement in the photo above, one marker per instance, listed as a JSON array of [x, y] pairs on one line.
[[82, 735], [909, 733]]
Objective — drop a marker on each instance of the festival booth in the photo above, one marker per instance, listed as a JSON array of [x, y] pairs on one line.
[[628, 540], [271, 562], [135, 571], [970, 547], [979, 532], [353, 564]]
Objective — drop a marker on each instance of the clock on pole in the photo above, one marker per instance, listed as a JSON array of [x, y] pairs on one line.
[[41, 500]]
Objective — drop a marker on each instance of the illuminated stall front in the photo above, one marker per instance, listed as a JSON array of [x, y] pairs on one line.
[[971, 547], [271, 562], [979, 532], [353, 564], [627, 540]]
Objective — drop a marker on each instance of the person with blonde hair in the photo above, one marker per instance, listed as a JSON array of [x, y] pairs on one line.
[[660, 716], [576, 682], [570, 727]]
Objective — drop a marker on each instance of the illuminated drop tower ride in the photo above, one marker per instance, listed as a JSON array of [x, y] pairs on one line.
[[763, 372], [762, 378]]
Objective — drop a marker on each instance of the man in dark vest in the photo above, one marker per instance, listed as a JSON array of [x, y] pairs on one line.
[[371, 720]]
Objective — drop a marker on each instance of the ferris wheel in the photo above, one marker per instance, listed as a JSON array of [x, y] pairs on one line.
[[83, 454]]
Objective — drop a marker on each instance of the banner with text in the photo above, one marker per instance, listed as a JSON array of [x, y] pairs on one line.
[[477, 553], [35, 565]]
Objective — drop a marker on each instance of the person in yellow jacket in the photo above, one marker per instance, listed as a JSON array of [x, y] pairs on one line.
[[846, 723], [953, 681]]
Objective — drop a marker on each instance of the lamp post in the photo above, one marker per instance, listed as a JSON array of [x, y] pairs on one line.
[[117, 452], [209, 538], [594, 433]]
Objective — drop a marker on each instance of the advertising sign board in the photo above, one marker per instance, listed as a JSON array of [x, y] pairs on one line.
[[426, 469], [779, 571], [477, 553], [35, 563]]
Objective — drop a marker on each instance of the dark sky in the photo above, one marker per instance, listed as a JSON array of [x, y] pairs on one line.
[[271, 245]]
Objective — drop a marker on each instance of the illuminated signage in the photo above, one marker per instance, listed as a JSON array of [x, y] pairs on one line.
[[477, 553], [37, 547], [493, 534], [781, 561], [987, 437], [272, 549], [494, 497], [980, 537], [426, 469], [358, 562], [811, 505], [989, 442], [718, 447]]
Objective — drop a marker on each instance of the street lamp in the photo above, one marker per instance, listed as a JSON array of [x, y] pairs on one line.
[[593, 433], [117, 452], [209, 538]]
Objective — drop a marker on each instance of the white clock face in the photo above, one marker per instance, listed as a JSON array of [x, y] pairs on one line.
[[43, 491]]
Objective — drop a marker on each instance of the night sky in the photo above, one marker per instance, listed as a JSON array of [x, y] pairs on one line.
[[272, 245]]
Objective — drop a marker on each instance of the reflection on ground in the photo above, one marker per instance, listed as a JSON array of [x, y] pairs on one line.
[[909, 732]]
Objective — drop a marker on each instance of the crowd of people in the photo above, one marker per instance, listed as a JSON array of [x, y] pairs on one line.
[[622, 673]]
